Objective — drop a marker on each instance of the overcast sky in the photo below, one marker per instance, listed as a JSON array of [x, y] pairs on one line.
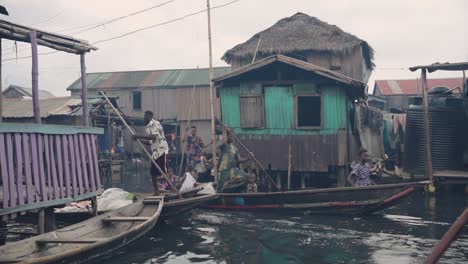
[[403, 33]]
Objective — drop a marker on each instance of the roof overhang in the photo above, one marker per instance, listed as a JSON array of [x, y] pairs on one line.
[[458, 66], [328, 74], [55, 41]]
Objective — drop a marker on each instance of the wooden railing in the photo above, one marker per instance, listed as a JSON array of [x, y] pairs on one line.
[[45, 163]]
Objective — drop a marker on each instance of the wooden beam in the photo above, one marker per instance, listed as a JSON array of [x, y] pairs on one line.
[[84, 91], [35, 77], [125, 219], [427, 132], [69, 240]]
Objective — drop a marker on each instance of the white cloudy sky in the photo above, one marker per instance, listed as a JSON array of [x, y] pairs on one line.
[[402, 32]]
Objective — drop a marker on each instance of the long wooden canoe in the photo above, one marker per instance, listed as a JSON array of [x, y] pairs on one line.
[[330, 200], [90, 239], [176, 207]]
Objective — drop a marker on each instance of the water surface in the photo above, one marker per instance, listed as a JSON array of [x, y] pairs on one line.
[[403, 234]]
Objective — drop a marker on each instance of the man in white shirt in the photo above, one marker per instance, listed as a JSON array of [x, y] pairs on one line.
[[155, 138]]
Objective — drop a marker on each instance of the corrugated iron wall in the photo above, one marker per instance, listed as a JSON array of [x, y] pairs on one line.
[[312, 149], [200, 101], [279, 109]]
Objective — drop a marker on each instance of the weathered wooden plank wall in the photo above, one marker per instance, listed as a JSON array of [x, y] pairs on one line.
[[37, 167]]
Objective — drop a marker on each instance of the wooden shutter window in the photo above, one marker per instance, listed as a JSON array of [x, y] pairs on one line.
[[252, 111]]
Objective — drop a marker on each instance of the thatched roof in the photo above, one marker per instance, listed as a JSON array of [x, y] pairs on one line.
[[297, 33]]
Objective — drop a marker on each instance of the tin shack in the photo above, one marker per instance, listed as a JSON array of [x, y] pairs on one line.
[[280, 105]]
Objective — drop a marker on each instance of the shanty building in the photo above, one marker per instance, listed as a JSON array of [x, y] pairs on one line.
[[174, 96], [395, 93], [311, 40], [279, 102], [297, 96], [18, 92]]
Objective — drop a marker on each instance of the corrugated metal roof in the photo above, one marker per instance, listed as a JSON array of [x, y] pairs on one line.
[[413, 87], [58, 106], [155, 78], [28, 92]]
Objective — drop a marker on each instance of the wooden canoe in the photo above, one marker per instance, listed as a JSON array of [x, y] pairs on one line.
[[358, 200], [176, 207], [90, 239]]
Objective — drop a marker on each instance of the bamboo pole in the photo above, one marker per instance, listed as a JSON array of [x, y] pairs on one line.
[[427, 131], [252, 157], [213, 130], [35, 77], [185, 135], [448, 238], [166, 178]]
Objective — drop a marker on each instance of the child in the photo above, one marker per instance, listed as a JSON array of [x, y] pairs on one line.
[[251, 186], [360, 175]]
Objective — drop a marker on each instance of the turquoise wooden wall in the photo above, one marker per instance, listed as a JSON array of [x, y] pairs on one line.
[[279, 108]]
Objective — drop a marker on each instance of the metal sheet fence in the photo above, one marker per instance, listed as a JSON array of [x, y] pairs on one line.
[[42, 167]]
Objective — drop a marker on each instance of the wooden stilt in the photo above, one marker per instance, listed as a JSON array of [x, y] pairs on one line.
[[49, 220], [84, 91], [303, 181], [278, 180], [94, 206], [3, 232], [341, 176], [1, 83], [289, 163], [427, 132], [35, 77], [40, 222]]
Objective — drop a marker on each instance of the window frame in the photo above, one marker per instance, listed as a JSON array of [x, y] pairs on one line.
[[133, 100], [296, 113], [262, 97]]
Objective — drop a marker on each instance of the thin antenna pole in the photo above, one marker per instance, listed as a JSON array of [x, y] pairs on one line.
[[256, 49], [213, 131]]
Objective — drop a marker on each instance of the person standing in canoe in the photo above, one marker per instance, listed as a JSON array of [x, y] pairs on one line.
[[155, 138], [360, 175], [229, 158], [195, 146]]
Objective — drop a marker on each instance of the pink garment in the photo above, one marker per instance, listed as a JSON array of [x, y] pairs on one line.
[[399, 120]]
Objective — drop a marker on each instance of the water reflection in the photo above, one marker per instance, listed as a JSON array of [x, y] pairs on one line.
[[404, 234]]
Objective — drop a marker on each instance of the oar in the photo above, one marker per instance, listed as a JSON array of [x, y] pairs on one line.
[[166, 178], [250, 155]]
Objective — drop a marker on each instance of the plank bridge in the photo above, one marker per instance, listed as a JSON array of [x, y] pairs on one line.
[[46, 165]]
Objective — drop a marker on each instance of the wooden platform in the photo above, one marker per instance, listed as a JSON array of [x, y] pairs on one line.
[[452, 174]]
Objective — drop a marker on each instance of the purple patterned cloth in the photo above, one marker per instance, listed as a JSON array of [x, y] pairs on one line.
[[362, 175]]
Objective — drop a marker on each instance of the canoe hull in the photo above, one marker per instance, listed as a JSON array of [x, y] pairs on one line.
[[177, 207], [357, 200], [111, 231]]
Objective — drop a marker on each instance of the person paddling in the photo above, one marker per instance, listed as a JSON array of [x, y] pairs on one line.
[[159, 147]]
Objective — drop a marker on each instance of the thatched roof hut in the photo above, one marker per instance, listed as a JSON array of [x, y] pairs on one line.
[[301, 34]]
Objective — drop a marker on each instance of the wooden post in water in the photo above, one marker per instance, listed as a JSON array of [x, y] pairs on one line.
[[35, 76], [84, 91], [427, 131], [213, 130], [289, 163], [1, 83], [41, 221]]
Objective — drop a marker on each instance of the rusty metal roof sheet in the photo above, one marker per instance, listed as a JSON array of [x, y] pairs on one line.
[[152, 78], [413, 87], [57, 106]]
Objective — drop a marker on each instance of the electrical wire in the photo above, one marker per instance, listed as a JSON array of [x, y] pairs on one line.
[[138, 30]]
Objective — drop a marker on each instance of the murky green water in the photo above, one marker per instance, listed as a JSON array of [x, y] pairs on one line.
[[403, 234]]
